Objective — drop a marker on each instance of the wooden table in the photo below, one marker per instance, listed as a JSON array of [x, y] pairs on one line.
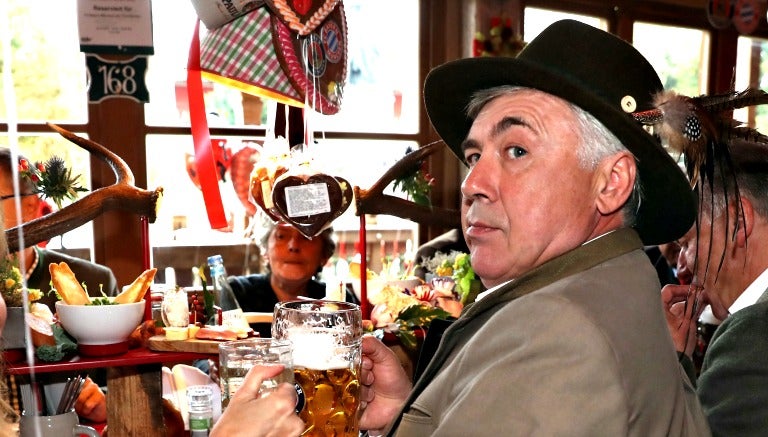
[[134, 384]]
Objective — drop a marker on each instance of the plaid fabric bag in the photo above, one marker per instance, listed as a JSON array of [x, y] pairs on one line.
[[241, 54]]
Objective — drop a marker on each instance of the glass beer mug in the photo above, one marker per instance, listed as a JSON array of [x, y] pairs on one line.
[[326, 338]]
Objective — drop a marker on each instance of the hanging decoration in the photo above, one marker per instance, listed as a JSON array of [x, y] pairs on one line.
[[302, 16], [502, 40], [294, 54]]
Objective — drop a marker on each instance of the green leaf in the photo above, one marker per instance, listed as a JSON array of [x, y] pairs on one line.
[[407, 338], [419, 316]]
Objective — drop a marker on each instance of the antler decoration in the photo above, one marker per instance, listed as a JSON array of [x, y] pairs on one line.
[[374, 201], [122, 195]]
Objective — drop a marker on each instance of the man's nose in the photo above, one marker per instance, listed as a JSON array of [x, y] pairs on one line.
[[684, 274], [478, 182]]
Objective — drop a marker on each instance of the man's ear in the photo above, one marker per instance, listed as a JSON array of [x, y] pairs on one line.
[[744, 219], [615, 181]]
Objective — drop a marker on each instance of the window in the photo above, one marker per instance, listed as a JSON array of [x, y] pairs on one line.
[[49, 83], [752, 71], [682, 66]]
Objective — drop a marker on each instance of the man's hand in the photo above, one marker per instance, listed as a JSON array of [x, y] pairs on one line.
[[248, 414], [682, 307], [385, 386], [91, 404]]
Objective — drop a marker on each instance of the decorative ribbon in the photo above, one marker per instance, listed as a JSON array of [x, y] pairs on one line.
[[205, 163], [364, 304]]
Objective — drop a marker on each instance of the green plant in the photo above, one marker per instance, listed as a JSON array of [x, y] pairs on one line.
[[53, 180], [11, 286]]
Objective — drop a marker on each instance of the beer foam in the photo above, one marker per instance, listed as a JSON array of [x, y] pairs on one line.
[[319, 349]]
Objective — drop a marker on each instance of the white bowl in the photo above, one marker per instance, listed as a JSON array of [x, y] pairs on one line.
[[100, 324]]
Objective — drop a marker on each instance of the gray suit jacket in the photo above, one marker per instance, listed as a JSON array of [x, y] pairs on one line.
[[733, 384], [577, 347]]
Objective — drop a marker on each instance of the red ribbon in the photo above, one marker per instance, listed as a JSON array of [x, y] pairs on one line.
[[365, 306], [205, 163]]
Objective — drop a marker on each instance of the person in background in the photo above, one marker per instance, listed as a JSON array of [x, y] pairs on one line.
[[724, 260], [98, 279], [565, 187], [293, 262]]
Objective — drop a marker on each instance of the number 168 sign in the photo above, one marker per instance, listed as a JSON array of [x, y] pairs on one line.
[[123, 78]]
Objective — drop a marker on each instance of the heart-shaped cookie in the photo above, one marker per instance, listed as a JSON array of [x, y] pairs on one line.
[[302, 16], [347, 195], [310, 203], [316, 64], [262, 184]]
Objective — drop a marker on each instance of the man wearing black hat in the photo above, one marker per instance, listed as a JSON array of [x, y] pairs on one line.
[[564, 189]]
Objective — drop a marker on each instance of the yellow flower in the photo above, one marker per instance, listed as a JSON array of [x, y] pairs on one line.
[[9, 283], [34, 294]]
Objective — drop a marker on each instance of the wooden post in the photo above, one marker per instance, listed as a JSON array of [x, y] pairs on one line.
[[134, 402]]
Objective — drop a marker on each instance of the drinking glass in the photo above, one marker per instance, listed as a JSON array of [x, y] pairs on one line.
[[326, 338], [237, 357]]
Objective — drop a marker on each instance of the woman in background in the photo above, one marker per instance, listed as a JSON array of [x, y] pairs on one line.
[[293, 262]]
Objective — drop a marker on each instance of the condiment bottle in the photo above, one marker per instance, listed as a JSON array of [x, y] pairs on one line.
[[200, 400]]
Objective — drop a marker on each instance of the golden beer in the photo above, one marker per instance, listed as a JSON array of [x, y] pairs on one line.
[[332, 400], [327, 362]]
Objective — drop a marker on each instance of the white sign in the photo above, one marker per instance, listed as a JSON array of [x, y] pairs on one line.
[[115, 26]]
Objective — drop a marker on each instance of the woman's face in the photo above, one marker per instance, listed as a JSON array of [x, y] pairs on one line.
[[292, 256]]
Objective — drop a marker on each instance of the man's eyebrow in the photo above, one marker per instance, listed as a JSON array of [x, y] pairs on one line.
[[506, 123], [501, 127]]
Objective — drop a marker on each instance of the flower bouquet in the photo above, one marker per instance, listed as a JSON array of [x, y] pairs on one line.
[[406, 313], [451, 273]]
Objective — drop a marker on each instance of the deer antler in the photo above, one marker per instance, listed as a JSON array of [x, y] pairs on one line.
[[373, 201], [123, 194]]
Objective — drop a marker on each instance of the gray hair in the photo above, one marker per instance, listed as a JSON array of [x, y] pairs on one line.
[[746, 176], [596, 141]]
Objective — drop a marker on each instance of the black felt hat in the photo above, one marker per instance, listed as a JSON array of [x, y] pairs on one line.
[[596, 71]]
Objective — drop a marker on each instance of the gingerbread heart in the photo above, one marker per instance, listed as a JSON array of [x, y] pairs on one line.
[[302, 16], [347, 195], [262, 185], [316, 64], [310, 203]]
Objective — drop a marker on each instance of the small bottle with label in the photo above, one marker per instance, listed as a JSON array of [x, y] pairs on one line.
[[200, 400]]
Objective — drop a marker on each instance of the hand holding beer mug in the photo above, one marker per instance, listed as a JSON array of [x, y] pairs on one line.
[[326, 338], [237, 357]]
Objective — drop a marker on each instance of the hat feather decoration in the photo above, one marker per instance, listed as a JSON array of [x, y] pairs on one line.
[[702, 127], [701, 130]]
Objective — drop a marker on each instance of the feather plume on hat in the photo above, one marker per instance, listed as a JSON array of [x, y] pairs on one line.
[[701, 130]]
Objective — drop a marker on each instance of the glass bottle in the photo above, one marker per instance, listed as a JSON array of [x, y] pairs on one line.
[[200, 400], [224, 299]]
